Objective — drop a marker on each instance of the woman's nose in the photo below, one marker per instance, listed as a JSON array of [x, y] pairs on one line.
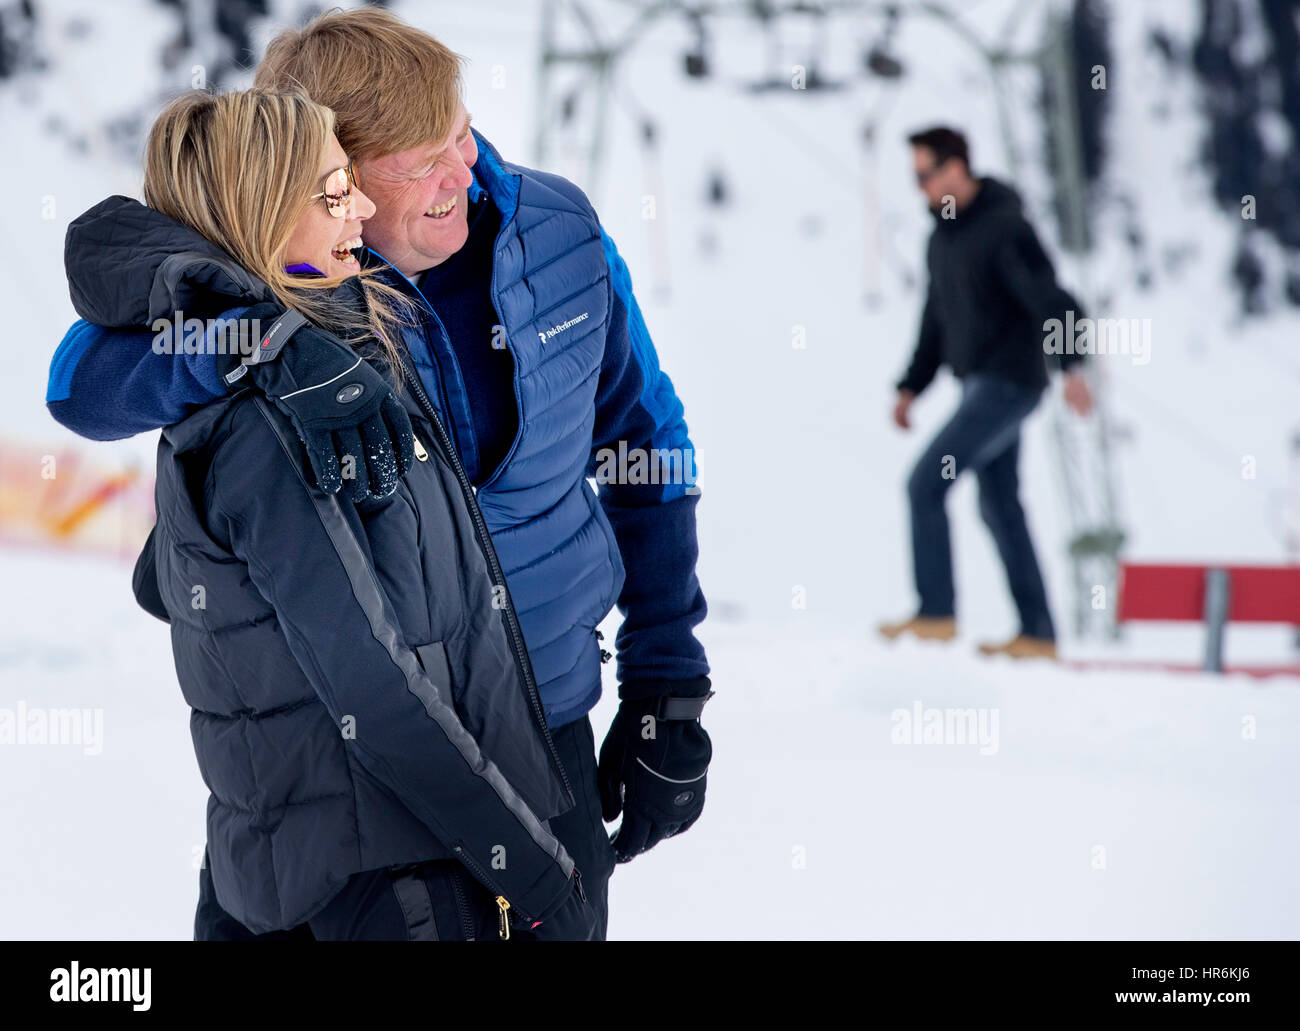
[[362, 206]]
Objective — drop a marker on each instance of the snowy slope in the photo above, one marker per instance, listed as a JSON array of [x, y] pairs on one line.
[[1114, 805]]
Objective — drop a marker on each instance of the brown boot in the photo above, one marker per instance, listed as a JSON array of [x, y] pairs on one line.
[[925, 628], [1022, 647]]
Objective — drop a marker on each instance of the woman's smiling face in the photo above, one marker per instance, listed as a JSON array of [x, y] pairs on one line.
[[321, 239]]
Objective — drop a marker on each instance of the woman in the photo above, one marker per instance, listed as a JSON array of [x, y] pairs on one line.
[[363, 711]]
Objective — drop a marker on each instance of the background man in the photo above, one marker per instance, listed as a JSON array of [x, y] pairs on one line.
[[991, 289]]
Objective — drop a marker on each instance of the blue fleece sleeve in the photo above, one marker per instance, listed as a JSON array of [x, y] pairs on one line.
[[107, 384], [644, 464]]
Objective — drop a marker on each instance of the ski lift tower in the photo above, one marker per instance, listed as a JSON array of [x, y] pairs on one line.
[[1084, 462], [594, 60], [594, 56]]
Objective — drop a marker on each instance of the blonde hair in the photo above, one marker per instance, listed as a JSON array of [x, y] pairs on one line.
[[390, 85], [239, 169]]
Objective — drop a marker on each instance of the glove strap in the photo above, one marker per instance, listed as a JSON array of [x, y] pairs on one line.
[[273, 340], [672, 707]]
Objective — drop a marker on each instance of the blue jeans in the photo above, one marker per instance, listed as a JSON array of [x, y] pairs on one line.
[[982, 436]]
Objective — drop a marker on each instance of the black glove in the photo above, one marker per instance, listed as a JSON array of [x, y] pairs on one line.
[[653, 763], [354, 428]]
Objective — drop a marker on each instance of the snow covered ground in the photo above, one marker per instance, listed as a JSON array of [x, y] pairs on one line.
[[1094, 805]]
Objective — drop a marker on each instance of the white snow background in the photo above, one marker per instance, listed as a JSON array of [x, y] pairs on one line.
[[1116, 805]]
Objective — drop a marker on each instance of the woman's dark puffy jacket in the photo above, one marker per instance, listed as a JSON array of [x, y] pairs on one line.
[[358, 700]]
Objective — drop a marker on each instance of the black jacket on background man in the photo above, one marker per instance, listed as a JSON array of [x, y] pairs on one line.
[[992, 286], [359, 695]]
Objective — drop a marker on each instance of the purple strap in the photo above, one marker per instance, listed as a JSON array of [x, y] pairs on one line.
[[302, 269]]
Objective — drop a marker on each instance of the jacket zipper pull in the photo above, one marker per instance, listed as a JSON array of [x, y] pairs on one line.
[[503, 909], [420, 453]]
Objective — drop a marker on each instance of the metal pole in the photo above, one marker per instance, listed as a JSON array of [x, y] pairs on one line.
[[1216, 617], [541, 128]]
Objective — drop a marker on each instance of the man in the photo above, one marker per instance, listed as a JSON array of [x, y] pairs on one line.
[[991, 289], [531, 347]]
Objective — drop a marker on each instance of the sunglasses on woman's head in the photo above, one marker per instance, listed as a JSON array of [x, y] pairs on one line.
[[338, 190]]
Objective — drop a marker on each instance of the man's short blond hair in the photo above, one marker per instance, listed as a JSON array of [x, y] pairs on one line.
[[390, 85]]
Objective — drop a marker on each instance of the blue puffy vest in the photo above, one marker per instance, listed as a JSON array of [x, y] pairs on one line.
[[551, 289]]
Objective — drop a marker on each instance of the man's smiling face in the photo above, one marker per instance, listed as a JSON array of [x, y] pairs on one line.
[[419, 196]]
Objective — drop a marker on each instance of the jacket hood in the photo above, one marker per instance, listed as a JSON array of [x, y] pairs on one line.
[[128, 265], [994, 195]]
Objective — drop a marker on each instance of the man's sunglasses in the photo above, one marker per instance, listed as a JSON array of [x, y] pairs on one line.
[[924, 177], [338, 190]]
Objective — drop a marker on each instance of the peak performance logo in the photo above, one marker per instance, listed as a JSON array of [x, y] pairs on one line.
[[101, 984], [561, 327]]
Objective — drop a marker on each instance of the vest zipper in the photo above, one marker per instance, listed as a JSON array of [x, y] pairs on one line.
[[462, 907], [506, 223], [494, 566], [503, 914], [503, 906]]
